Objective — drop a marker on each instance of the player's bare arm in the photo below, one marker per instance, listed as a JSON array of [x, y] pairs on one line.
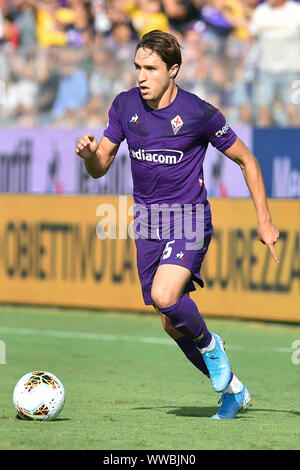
[[97, 157], [267, 232]]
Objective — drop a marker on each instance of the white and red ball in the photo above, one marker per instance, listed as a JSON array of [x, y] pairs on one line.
[[39, 395]]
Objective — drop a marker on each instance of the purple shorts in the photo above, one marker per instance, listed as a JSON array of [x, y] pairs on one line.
[[152, 252]]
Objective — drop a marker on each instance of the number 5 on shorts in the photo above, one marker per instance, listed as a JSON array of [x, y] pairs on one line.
[[168, 250]]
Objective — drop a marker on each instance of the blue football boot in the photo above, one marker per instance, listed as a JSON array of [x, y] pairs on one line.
[[218, 365], [232, 403]]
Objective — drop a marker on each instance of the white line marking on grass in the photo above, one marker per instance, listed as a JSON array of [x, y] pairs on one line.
[[79, 335], [120, 338]]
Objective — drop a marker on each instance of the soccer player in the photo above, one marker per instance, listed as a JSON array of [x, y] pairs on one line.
[[167, 130]]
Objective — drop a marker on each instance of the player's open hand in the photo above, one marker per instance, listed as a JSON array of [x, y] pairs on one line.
[[87, 146], [269, 234]]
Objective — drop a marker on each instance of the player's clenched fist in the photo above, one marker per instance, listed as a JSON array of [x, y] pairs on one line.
[[87, 146]]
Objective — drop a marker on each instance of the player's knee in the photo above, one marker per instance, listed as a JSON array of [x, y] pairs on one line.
[[163, 298]]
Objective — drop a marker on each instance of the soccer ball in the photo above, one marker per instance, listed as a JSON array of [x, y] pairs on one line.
[[39, 395]]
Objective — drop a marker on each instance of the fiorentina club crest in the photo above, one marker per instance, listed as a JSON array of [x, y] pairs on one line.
[[177, 123]]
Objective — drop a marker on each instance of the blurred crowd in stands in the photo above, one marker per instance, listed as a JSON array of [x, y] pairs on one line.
[[62, 62]]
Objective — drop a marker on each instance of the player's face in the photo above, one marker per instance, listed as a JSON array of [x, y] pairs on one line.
[[153, 77]]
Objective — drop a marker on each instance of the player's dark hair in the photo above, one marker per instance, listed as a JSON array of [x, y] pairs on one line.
[[164, 44]]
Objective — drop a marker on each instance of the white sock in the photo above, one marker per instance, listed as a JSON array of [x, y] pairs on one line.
[[209, 347], [235, 386]]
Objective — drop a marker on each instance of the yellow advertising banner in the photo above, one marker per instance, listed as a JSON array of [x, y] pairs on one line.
[[55, 251], [242, 279]]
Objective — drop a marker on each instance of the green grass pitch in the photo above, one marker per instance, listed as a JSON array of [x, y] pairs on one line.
[[128, 386]]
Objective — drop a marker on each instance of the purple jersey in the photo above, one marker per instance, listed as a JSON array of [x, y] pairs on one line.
[[167, 146]]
